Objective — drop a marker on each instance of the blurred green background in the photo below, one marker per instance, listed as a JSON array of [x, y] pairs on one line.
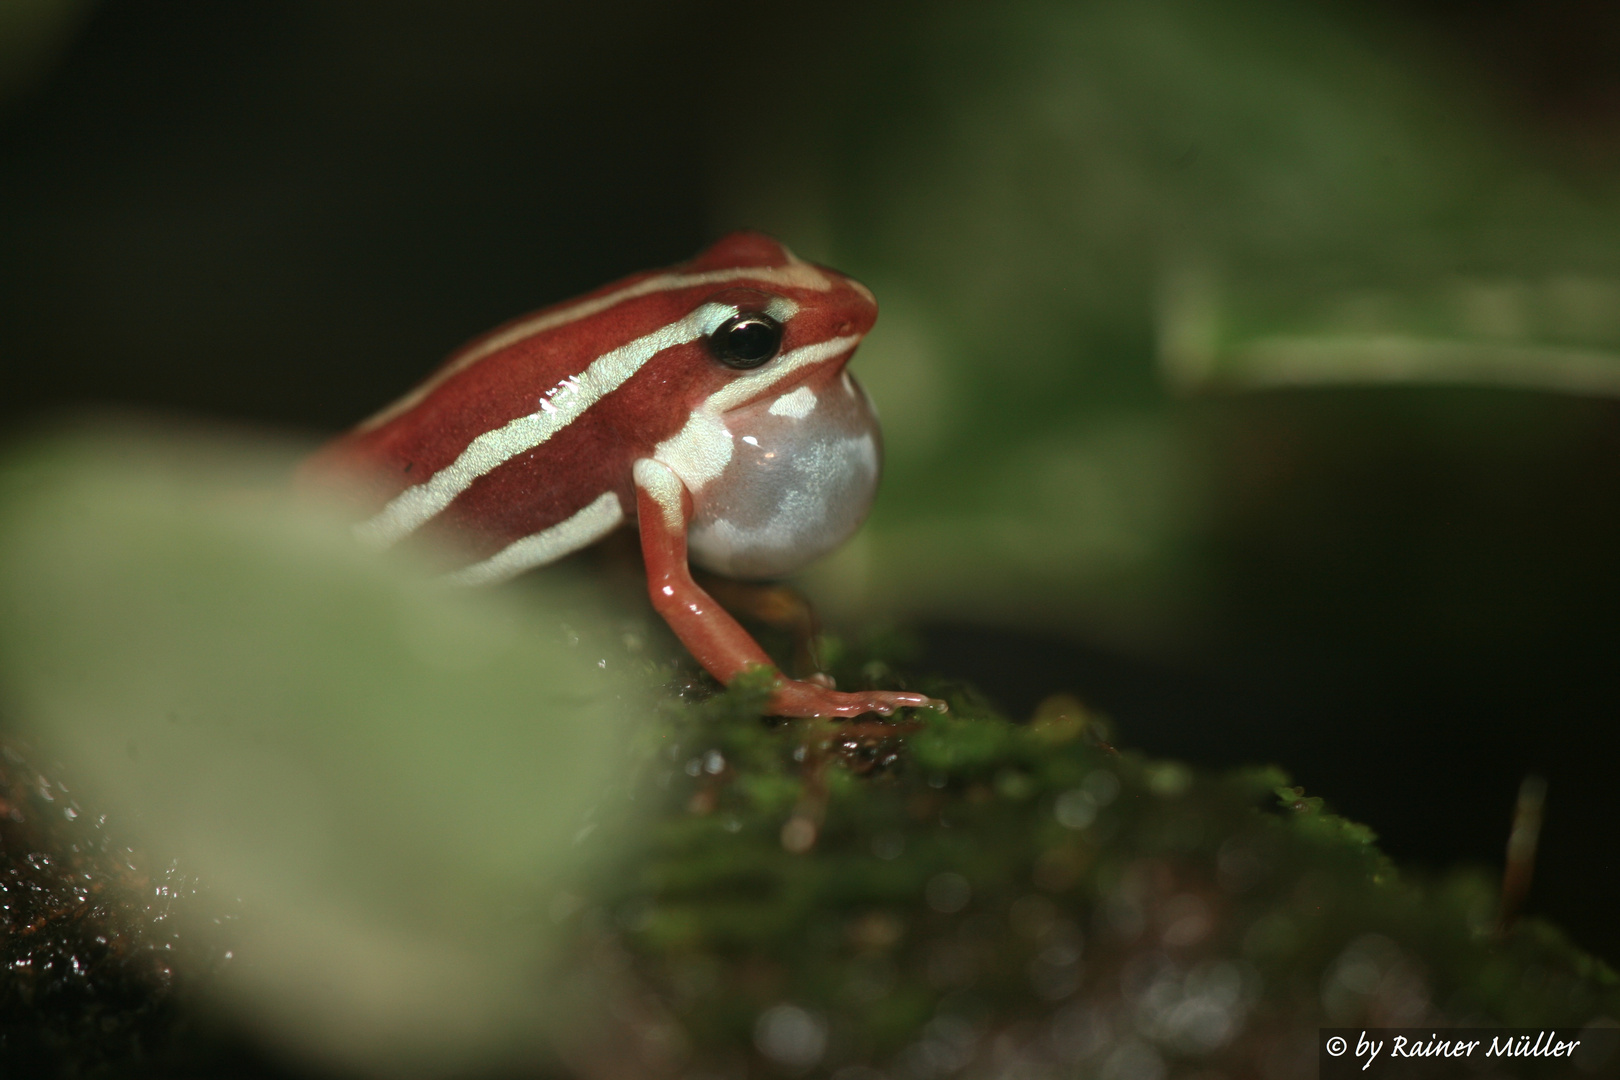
[[1248, 368]]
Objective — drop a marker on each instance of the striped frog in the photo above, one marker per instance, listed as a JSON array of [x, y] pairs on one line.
[[709, 403]]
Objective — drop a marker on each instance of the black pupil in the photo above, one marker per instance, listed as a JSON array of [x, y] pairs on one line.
[[747, 340], [751, 340]]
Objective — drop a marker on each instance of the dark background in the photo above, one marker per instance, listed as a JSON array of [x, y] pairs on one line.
[[282, 213]]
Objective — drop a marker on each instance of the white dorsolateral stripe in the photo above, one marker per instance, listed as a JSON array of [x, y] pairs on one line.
[[548, 545], [415, 506], [700, 451], [795, 274]]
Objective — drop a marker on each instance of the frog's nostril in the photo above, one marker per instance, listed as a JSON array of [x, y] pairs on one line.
[[845, 327]]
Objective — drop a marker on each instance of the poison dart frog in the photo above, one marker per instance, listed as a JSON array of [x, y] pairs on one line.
[[709, 403]]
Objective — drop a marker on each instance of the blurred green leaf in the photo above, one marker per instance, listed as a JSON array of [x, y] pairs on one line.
[[381, 776]]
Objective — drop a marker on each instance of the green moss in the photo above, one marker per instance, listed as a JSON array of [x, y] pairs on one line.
[[977, 887]]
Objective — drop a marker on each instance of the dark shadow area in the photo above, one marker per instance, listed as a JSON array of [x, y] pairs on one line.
[[287, 213]]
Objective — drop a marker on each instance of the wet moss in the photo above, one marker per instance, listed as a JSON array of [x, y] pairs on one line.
[[87, 967], [963, 891]]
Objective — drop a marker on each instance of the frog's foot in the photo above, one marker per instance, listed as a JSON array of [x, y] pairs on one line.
[[804, 698]]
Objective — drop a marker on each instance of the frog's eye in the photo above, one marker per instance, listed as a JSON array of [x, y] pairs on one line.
[[746, 340]]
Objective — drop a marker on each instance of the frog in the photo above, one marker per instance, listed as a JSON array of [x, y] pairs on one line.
[[708, 405]]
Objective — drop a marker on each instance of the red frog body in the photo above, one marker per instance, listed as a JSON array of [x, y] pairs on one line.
[[707, 402]]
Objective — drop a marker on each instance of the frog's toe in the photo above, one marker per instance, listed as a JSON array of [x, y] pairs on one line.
[[916, 701], [812, 698]]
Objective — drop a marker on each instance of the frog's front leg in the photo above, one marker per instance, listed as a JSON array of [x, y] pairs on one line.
[[777, 605], [720, 644]]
